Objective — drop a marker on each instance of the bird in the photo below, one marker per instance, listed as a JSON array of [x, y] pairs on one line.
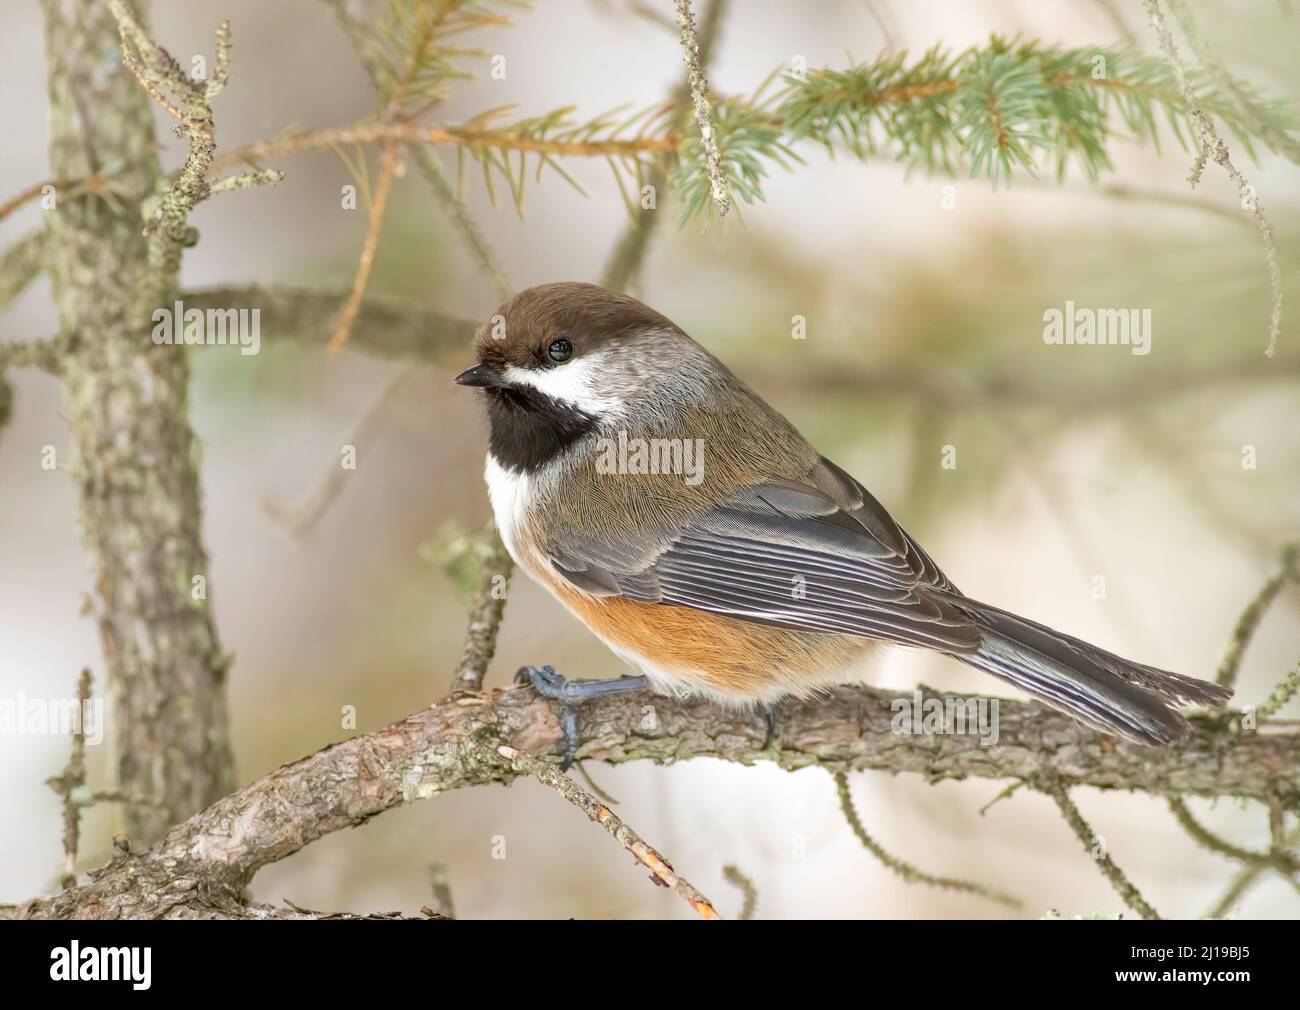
[[701, 537]]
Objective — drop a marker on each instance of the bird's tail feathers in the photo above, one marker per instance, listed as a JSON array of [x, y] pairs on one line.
[[1099, 688]]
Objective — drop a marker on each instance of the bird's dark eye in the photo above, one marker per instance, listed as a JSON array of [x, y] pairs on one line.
[[560, 350]]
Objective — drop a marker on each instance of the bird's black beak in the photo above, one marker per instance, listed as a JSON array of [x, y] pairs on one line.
[[480, 375]]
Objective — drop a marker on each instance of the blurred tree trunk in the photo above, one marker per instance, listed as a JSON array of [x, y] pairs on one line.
[[135, 458]]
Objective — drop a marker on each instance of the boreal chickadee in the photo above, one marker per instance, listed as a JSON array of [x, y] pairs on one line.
[[766, 572]]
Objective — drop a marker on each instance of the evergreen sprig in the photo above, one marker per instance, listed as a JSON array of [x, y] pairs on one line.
[[413, 57], [747, 138], [993, 111], [1008, 106], [507, 153]]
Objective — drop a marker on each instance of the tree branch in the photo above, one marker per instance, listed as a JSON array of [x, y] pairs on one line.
[[135, 460], [389, 328], [203, 864], [384, 328], [472, 138], [907, 871], [1249, 621], [699, 87], [485, 613], [21, 264], [549, 774], [1095, 846], [42, 354], [1211, 146]]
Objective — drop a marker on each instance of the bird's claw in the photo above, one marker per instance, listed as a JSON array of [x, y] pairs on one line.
[[549, 684]]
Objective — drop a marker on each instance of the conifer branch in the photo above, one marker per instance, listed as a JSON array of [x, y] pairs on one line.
[[699, 87], [907, 871], [1210, 146], [1051, 784], [1248, 623], [21, 264]]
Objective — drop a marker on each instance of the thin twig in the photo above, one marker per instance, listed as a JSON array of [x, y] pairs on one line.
[[485, 614], [703, 110], [907, 871], [1258, 125], [389, 159], [42, 354], [64, 189], [1242, 882], [302, 516], [549, 774], [1116, 19], [1249, 621], [1004, 794], [364, 45], [21, 264], [247, 180], [736, 878], [1213, 147], [378, 207], [883, 23], [441, 884], [371, 132], [1205, 838], [1280, 695], [581, 768], [629, 253], [72, 784], [461, 219], [1051, 784]]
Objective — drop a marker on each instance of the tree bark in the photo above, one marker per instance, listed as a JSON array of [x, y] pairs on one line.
[[202, 866], [135, 453]]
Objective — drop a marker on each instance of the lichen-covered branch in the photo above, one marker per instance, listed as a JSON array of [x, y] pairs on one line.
[[389, 328], [126, 401], [736, 878], [485, 612], [628, 257], [384, 328], [549, 774], [301, 516], [905, 870], [21, 264], [1052, 785], [206, 862], [699, 88], [1279, 859], [1250, 618], [1210, 145], [71, 787], [40, 354]]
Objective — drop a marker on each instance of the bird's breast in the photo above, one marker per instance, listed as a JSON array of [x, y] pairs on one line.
[[510, 492]]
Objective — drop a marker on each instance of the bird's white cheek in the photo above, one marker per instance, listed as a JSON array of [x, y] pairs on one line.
[[571, 383]]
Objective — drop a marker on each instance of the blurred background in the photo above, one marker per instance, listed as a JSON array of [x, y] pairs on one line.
[[1072, 462]]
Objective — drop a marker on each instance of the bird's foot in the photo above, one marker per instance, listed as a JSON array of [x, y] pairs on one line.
[[570, 694]]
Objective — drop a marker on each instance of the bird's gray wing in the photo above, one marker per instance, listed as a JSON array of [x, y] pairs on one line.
[[815, 555]]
